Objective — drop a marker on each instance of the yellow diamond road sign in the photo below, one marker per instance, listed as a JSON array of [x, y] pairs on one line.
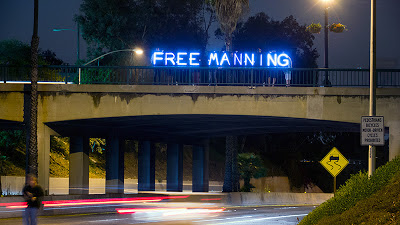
[[334, 162]]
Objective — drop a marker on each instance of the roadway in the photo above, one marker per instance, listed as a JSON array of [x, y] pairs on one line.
[[179, 214]]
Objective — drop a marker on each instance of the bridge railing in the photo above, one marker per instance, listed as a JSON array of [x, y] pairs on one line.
[[203, 76]]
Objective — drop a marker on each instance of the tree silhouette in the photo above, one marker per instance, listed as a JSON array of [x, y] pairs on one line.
[[32, 147]]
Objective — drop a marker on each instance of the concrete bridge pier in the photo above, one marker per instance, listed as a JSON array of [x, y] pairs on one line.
[[43, 139], [79, 165], [114, 165], [200, 172], [146, 166], [175, 167], [394, 139]]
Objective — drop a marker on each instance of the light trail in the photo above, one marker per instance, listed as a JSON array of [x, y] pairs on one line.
[[60, 203], [259, 219]]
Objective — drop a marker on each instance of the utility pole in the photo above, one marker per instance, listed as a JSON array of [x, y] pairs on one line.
[[372, 86], [326, 61], [326, 55]]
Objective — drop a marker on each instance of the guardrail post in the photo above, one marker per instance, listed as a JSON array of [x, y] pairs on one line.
[[79, 75], [251, 75], [66, 77], [190, 77], [315, 80], [5, 75]]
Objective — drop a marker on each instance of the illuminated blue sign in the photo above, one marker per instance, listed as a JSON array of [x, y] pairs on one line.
[[222, 59]]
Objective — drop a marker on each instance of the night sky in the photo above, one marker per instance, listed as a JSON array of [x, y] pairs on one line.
[[347, 50]]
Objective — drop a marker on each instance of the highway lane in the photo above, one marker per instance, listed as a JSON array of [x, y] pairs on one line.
[[182, 214]]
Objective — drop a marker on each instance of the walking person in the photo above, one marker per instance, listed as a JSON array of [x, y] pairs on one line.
[[33, 195]]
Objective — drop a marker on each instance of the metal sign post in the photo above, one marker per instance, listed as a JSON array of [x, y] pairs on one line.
[[372, 85], [334, 162]]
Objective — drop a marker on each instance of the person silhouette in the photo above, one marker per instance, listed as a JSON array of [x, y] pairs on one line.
[[33, 195]]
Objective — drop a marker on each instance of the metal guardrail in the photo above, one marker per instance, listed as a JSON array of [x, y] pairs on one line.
[[203, 76]]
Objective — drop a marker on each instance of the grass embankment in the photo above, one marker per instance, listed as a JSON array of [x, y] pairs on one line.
[[12, 158], [362, 200], [59, 160]]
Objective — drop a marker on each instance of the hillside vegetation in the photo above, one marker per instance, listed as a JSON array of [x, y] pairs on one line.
[[12, 158], [362, 200]]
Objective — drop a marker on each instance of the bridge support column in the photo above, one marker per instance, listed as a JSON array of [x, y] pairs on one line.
[[114, 165], [175, 167], [146, 166], [394, 139], [200, 173], [79, 166], [43, 140]]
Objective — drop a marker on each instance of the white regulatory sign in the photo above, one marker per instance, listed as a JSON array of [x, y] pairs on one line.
[[372, 131]]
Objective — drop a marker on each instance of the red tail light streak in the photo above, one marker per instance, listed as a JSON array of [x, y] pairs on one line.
[[81, 202]]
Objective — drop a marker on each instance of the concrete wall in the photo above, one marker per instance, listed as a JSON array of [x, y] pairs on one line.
[[277, 198], [12, 185], [273, 184], [278, 184], [96, 101]]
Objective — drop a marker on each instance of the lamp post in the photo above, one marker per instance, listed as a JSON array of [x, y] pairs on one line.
[[372, 85], [136, 50], [326, 30], [77, 39]]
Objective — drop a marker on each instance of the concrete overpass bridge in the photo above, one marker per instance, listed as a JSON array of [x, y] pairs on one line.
[[183, 114]]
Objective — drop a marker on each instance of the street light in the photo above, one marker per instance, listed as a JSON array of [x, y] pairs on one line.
[[136, 50], [372, 85], [77, 38], [326, 61]]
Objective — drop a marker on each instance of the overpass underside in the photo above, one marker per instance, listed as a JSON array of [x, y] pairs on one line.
[[11, 125], [193, 129], [174, 130]]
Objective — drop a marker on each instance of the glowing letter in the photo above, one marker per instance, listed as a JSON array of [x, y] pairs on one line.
[[191, 59], [169, 56], [225, 58], [179, 58], [213, 56], [157, 56], [247, 58], [260, 59], [284, 62], [236, 58], [270, 59]]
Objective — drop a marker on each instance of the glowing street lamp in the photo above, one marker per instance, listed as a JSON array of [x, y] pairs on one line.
[[136, 50], [326, 61]]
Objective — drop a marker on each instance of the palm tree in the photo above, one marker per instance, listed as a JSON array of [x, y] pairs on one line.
[[32, 148], [231, 178], [228, 14], [227, 186]]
